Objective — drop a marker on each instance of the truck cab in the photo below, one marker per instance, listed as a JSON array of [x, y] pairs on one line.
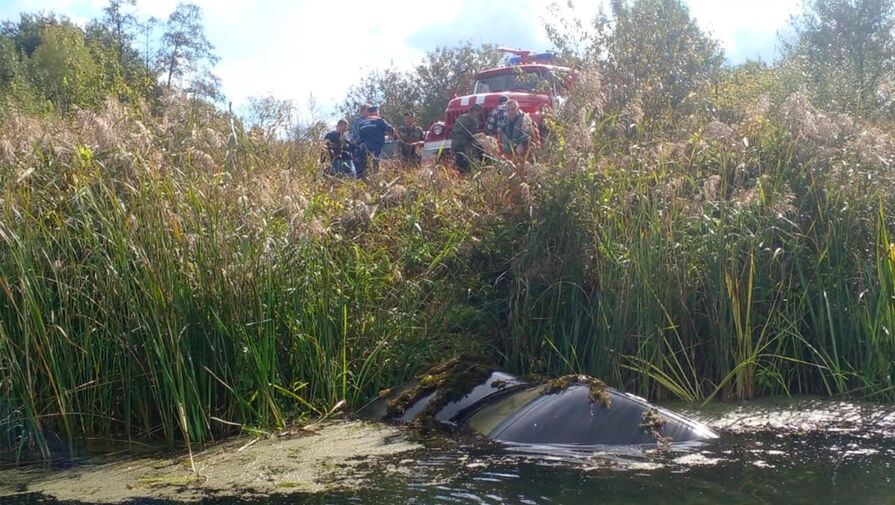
[[532, 80]]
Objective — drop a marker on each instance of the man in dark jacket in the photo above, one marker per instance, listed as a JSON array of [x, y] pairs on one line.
[[463, 143], [338, 151], [371, 132]]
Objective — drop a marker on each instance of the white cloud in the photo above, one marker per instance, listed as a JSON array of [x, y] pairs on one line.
[[306, 49], [739, 25]]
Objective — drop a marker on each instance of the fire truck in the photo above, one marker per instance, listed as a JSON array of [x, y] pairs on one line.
[[533, 80]]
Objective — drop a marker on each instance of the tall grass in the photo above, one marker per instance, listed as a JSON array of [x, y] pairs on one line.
[[741, 260], [169, 301], [168, 277]]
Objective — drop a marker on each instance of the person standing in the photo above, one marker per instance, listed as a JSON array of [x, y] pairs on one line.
[[497, 118], [371, 133], [518, 133], [463, 143], [411, 139], [357, 154], [362, 113]]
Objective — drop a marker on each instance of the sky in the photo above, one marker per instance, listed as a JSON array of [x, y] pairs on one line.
[[312, 51]]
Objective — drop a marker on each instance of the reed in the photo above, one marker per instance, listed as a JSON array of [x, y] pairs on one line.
[[711, 266], [176, 279]]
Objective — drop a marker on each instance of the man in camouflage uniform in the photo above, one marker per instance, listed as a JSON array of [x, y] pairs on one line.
[[463, 143], [411, 137], [518, 134]]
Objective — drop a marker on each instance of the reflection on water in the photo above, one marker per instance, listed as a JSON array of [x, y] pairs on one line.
[[773, 452]]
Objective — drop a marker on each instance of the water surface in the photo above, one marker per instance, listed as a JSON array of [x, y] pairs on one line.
[[774, 452]]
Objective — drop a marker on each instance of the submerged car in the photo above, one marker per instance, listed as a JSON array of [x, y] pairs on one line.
[[571, 410]]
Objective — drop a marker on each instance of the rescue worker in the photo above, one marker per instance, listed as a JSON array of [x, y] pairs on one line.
[[357, 152], [497, 118], [338, 152], [518, 133], [463, 143], [362, 113], [411, 139], [371, 133]]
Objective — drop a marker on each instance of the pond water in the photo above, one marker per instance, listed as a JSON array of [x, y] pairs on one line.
[[771, 452]]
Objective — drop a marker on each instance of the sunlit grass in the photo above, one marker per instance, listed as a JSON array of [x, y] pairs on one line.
[[179, 280]]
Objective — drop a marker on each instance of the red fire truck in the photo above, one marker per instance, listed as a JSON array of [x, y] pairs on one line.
[[533, 80]]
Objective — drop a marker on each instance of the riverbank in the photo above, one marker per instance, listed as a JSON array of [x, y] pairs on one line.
[[334, 456]]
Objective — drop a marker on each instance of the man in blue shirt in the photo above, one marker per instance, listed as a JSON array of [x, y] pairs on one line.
[[353, 134], [371, 133]]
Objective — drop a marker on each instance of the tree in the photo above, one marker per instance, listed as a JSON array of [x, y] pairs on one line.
[[27, 34], [112, 42], [445, 72], [146, 29], [845, 48], [396, 92], [655, 49], [273, 116], [9, 61], [448, 71], [649, 52], [573, 40], [119, 23], [63, 69], [186, 56]]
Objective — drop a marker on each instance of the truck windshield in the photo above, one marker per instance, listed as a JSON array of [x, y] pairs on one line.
[[513, 81]]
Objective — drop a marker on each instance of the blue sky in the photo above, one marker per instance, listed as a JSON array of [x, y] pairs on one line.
[[313, 50]]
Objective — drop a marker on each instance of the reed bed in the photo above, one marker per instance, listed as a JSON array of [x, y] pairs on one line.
[[153, 293], [168, 277], [722, 261]]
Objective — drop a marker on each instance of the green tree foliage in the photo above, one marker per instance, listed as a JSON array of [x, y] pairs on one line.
[[272, 116], [64, 69], [49, 60], [27, 34], [655, 49], [846, 52], [124, 74], [445, 72], [9, 61], [18, 42], [186, 56], [394, 91], [112, 40], [46, 61], [119, 24], [652, 55]]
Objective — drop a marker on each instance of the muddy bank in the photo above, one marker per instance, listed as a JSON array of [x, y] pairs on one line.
[[319, 458]]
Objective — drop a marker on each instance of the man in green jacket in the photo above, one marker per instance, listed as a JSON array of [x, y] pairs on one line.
[[517, 133], [463, 143], [411, 139]]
